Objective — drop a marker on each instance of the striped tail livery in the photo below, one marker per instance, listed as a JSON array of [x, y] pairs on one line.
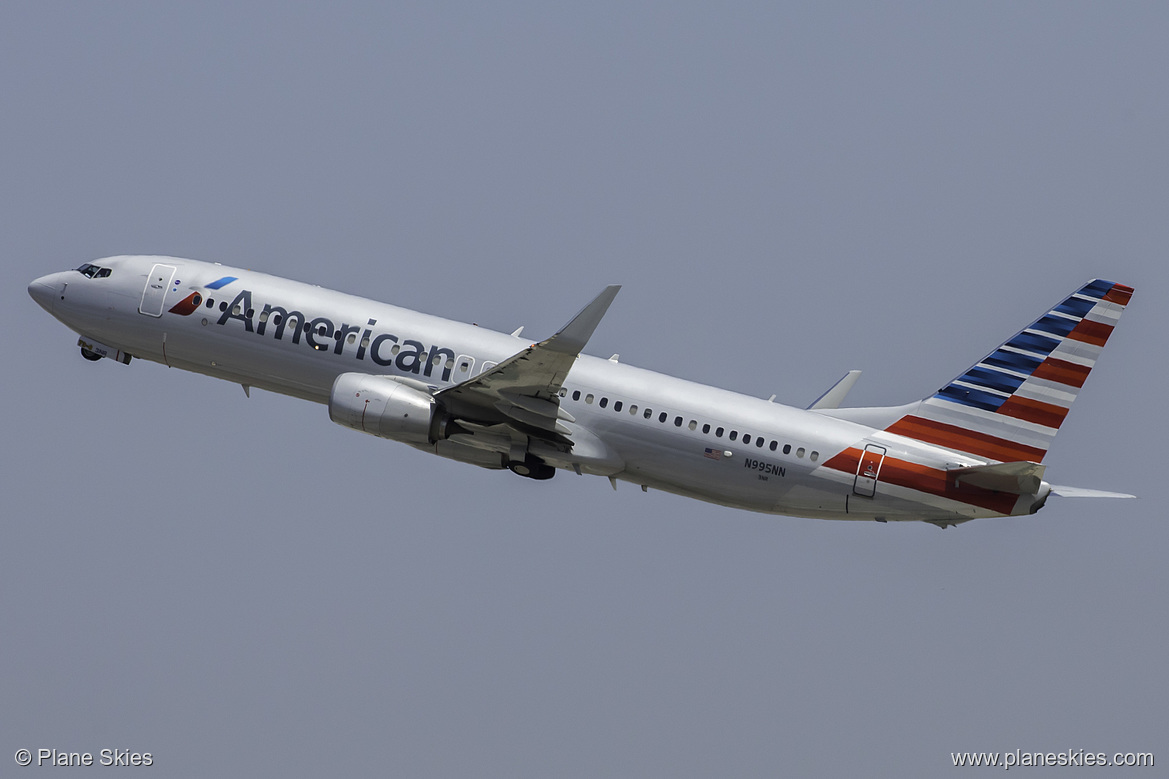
[[974, 449], [1009, 406]]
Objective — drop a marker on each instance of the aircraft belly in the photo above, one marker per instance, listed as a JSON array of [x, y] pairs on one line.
[[691, 471]]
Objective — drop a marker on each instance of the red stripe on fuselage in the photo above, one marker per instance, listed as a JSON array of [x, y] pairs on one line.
[[953, 437], [932, 481]]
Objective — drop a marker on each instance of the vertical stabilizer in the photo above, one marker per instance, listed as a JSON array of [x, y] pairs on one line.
[[1009, 406]]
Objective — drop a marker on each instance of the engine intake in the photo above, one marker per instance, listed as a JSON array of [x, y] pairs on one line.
[[381, 406]]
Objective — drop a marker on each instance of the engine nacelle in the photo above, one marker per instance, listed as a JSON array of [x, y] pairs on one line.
[[380, 406]]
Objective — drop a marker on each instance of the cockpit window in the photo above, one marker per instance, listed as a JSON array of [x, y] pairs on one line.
[[92, 271]]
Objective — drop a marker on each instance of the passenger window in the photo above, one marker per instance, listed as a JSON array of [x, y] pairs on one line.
[[649, 412], [759, 442], [718, 433], [734, 434], [800, 452], [772, 446], [616, 405], [604, 402], [576, 394], [589, 398], [814, 456], [693, 425], [677, 421], [706, 429], [662, 417], [746, 438], [787, 448], [633, 410]]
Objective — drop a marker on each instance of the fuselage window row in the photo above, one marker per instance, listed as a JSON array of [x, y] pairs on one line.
[[759, 441]]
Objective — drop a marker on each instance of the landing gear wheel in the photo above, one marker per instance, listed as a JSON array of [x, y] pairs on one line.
[[532, 468], [91, 356]]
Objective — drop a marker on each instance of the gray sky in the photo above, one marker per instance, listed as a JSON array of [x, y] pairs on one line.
[[242, 587]]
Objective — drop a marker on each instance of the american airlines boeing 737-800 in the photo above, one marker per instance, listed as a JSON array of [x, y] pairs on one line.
[[973, 449]]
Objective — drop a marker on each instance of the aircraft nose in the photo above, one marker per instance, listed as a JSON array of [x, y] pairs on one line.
[[45, 291]]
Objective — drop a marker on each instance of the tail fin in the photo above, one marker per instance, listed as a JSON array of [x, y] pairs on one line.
[[1009, 406]]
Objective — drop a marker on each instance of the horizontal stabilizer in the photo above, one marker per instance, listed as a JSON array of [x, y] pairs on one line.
[[835, 395], [1080, 492], [1018, 478]]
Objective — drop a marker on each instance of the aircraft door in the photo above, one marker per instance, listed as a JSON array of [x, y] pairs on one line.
[[154, 294], [868, 470]]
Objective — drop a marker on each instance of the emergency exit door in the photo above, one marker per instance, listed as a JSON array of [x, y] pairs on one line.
[[868, 470]]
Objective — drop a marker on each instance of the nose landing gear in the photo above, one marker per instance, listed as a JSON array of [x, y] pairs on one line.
[[94, 351]]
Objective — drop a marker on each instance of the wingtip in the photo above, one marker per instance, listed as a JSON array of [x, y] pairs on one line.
[[1080, 492]]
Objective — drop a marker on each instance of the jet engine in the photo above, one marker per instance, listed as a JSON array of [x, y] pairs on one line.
[[381, 406], [394, 409]]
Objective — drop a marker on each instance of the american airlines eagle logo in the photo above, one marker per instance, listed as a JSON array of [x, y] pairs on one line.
[[190, 303], [187, 305]]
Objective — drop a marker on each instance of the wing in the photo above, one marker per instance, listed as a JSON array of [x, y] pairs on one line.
[[522, 393]]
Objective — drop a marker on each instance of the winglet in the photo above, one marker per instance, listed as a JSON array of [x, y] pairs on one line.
[[835, 394], [573, 336]]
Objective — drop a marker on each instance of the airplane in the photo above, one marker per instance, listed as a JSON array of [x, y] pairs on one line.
[[973, 449]]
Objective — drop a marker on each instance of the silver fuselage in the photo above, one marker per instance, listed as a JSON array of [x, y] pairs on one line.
[[779, 459]]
